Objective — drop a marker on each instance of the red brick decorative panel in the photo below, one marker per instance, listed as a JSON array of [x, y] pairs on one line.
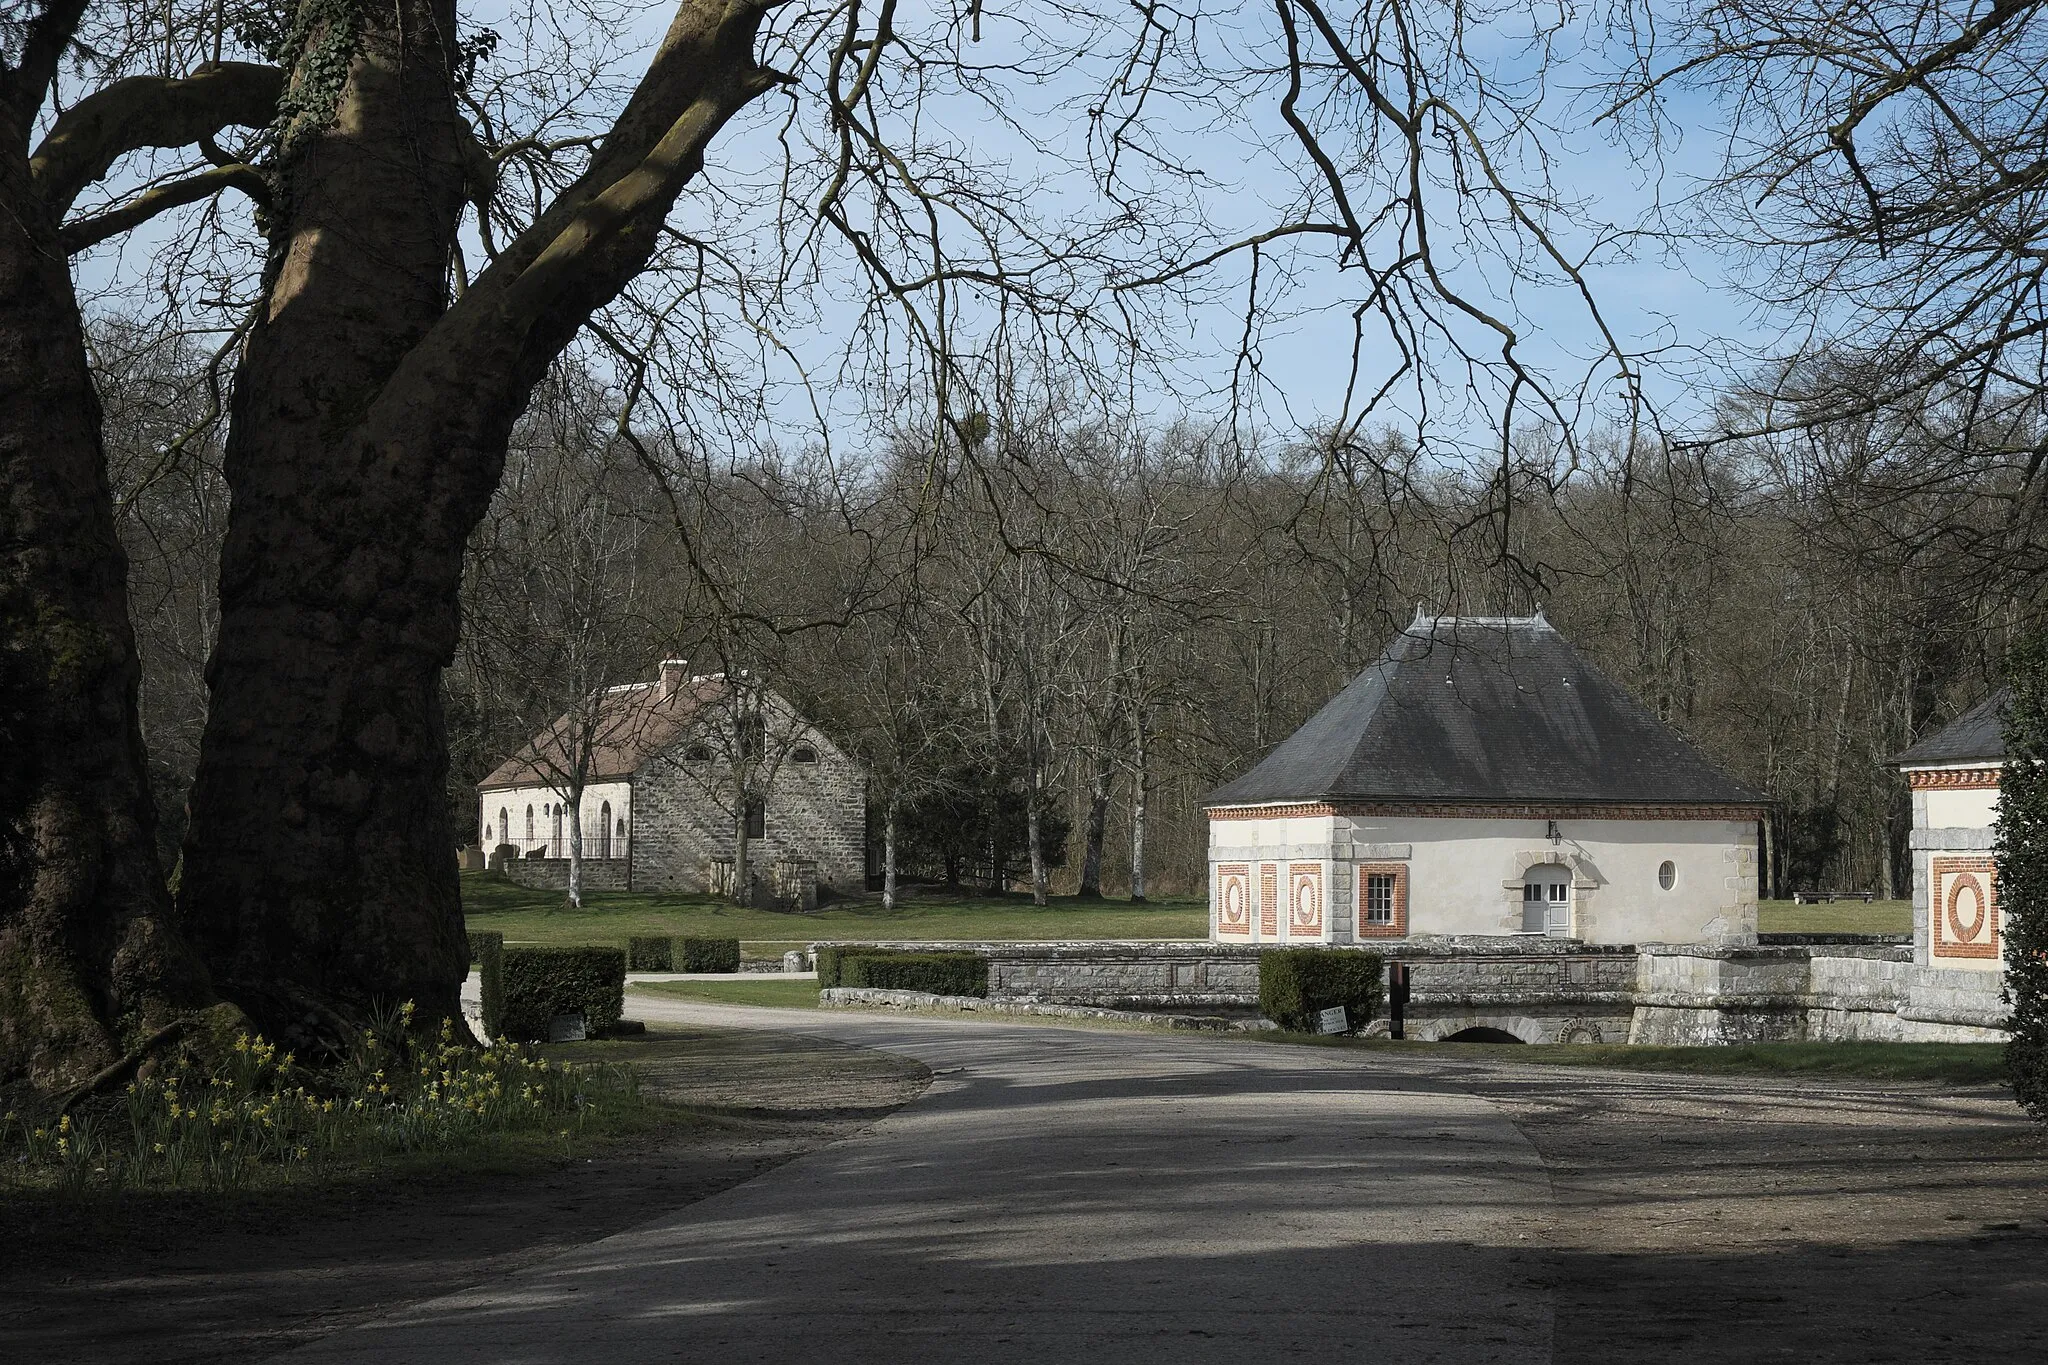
[[1269, 901], [1953, 779], [1304, 900], [1962, 907], [1382, 890], [1234, 899]]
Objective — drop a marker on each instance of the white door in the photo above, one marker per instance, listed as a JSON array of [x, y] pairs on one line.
[[1547, 901]]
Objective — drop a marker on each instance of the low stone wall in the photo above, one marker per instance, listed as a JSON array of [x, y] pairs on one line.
[[1542, 990], [552, 874]]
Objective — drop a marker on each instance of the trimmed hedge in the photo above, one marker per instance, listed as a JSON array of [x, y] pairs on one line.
[[937, 973], [826, 960], [541, 983], [1297, 984], [487, 951], [650, 953], [711, 955]]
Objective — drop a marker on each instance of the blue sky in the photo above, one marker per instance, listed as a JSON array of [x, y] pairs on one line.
[[1666, 296]]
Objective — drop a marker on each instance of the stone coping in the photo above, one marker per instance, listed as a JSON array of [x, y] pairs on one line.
[[1503, 946], [869, 997]]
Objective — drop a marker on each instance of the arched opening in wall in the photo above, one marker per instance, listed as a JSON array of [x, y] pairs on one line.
[[560, 849], [1547, 900], [529, 826], [1482, 1035], [604, 830], [504, 824], [803, 753]]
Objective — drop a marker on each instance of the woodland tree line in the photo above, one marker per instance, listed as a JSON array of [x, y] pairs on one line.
[[1059, 658], [375, 376]]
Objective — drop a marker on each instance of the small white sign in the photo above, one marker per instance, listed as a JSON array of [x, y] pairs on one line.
[[1333, 1020], [567, 1028]]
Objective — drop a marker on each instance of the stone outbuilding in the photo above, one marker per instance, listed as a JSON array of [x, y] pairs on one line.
[[670, 766], [1483, 779], [1958, 949]]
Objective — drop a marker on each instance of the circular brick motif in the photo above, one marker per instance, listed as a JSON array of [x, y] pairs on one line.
[[1958, 884], [1234, 910]]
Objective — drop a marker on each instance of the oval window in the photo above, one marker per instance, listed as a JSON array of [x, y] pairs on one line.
[[1667, 874]]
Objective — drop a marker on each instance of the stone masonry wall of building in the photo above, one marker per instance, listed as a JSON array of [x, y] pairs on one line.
[[552, 874], [815, 811]]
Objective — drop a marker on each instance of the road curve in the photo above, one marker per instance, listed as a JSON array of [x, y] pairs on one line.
[[1059, 1195]]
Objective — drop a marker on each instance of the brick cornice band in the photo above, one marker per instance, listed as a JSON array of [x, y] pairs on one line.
[[1953, 779]]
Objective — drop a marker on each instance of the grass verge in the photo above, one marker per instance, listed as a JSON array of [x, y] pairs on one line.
[[1838, 917], [799, 993], [523, 915]]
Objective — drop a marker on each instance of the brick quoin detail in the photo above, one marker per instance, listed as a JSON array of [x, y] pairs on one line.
[[1953, 779], [1459, 810], [1398, 926], [1952, 879]]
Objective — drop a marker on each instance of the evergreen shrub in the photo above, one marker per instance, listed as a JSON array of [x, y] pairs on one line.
[[487, 951], [650, 953], [541, 983], [826, 960], [711, 955], [2022, 860], [936, 973], [1298, 984]]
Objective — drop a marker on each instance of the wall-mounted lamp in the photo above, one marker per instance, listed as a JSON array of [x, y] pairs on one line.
[[1556, 836]]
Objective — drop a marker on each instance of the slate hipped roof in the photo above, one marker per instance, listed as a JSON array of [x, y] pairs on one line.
[[1484, 709], [1978, 733]]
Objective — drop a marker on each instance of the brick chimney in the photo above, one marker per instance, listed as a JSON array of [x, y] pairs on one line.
[[674, 673]]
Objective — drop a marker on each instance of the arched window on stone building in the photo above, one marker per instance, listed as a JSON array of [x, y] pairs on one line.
[[604, 830], [529, 826], [504, 825], [560, 849]]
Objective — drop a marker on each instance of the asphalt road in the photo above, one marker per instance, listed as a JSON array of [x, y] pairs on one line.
[[1060, 1195]]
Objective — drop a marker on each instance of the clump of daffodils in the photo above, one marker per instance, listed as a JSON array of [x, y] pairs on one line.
[[396, 1089]]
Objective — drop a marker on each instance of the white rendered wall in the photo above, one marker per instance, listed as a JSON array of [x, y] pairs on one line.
[[515, 800], [1464, 876], [1969, 808]]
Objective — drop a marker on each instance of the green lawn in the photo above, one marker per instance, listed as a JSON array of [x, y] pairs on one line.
[[525, 916], [1838, 917], [800, 993]]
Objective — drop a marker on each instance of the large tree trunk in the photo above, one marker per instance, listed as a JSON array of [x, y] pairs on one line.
[[319, 871], [88, 955], [370, 426]]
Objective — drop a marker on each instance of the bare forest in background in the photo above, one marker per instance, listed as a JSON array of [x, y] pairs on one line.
[[1082, 623]]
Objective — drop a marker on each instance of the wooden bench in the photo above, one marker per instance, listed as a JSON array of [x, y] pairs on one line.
[[1816, 897]]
